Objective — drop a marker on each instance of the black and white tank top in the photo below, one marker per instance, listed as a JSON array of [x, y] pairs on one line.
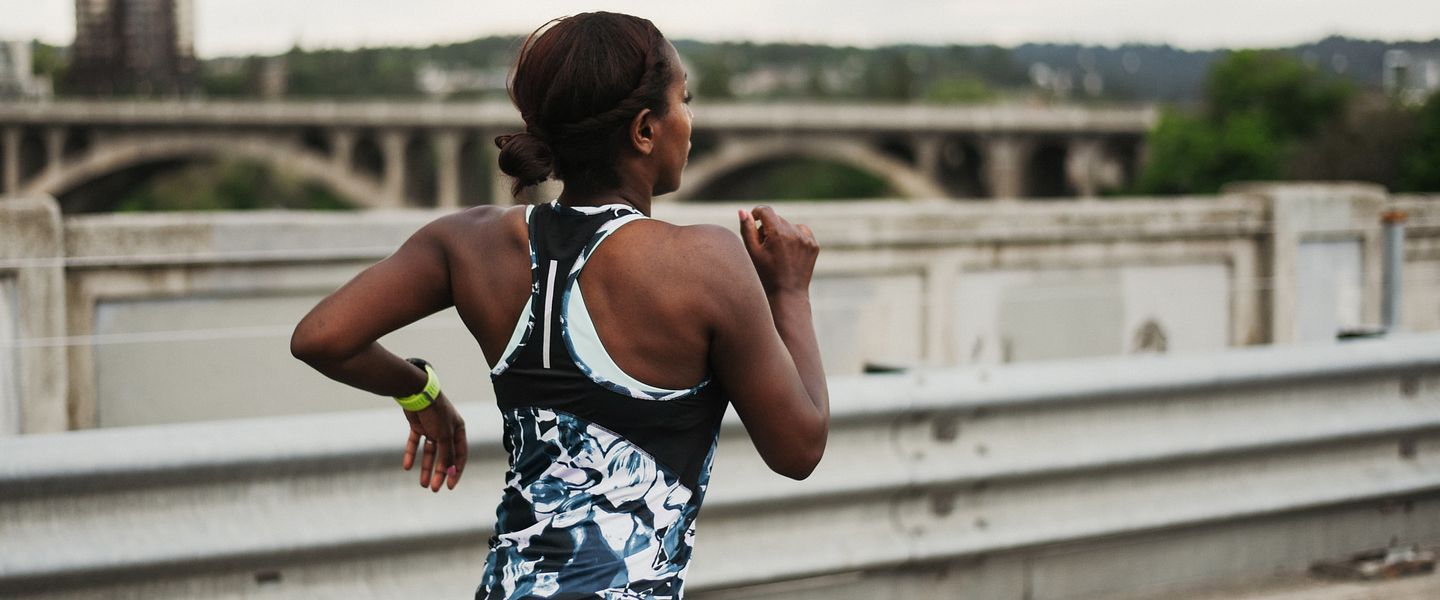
[[607, 473]]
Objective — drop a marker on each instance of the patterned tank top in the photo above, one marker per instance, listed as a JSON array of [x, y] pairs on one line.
[[606, 473]]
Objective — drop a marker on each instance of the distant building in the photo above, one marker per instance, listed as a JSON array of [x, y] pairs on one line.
[[16, 78], [272, 77], [1412, 75], [144, 47], [437, 80]]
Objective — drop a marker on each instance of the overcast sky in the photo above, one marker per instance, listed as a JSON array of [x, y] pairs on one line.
[[228, 27]]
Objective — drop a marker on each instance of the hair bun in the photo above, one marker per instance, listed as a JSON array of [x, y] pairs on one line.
[[525, 157]]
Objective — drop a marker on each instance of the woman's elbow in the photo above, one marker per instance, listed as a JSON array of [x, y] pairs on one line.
[[800, 463], [312, 346], [799, 468]]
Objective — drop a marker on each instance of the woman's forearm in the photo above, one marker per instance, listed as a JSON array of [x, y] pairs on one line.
[[794, 322], [373, 369]]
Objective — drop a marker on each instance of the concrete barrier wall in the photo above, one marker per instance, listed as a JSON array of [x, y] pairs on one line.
[[1122, 477], [185, 317], [33, 378]]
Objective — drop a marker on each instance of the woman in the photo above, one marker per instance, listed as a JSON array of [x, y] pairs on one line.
[[610, 443]]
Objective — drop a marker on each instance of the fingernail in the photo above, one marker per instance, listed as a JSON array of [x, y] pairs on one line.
[[450, 471]]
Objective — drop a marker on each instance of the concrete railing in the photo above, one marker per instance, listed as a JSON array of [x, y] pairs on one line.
[[110, 306], [1107, 478]]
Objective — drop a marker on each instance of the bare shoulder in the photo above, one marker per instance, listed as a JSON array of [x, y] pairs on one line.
[[699, 241], [704, 251], [478, 217], [480, 226], [709, 259]]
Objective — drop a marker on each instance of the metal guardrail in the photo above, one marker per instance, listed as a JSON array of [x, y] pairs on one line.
[[922, 467]]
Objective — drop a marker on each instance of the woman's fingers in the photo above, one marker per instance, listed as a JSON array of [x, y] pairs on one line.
[[411, 446], [783, 252], [462, 450], [427, 462], [444, 448], [748, 233], [442, 463], [770, 222]]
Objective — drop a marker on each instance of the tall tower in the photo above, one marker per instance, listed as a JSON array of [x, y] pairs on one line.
[[144, 47]]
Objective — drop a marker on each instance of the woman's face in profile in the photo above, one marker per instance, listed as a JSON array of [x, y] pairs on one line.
[[672, 146]]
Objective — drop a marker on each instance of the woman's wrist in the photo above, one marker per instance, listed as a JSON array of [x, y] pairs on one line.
[[428, 394]]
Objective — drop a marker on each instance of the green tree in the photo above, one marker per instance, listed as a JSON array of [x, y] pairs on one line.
[[49, 60], [889, 75], [1292, 99], [1190, 154], [1420, 167], [1258, 106], [714, 73], [959, 90]]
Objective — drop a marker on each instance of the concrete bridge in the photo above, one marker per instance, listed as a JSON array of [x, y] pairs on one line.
[[396, 154]]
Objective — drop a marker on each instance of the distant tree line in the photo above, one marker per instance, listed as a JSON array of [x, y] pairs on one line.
[[1265, 116], [764, 71], [1313, 111]]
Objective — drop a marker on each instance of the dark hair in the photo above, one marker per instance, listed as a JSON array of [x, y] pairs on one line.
[[578, 85]]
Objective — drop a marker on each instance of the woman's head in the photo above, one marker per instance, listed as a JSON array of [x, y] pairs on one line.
[[594, 89]]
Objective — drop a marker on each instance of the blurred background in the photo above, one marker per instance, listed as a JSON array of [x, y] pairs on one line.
[[1120, 300]]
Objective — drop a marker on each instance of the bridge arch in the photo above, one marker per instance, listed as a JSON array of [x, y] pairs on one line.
[[734, 155], [119, 154]]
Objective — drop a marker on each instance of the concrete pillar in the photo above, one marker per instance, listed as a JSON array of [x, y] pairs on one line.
[[10, 179], [1004, 166], [1324, 255], [54, 149], [1082, 164], [342, 148], [392, 185], [928, 155], [447, 169], [33, 378]]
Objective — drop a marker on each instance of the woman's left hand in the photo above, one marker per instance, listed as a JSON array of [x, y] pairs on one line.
[[445, 449]]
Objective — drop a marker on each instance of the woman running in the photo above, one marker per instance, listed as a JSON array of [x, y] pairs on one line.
[[615, 340]]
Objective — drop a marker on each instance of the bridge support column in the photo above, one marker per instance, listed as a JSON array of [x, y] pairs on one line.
[[1005, 167], [54, 149], [928, 154], [392, 185], [1082, 166], [342, 148], [10, 143], [447, 169]]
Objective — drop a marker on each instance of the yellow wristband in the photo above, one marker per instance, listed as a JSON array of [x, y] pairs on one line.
[[422, 399]]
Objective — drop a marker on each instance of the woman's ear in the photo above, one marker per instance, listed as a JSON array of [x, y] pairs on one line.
[[642, 132]]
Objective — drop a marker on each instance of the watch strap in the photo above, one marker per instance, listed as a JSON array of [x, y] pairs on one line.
[[425, 397]]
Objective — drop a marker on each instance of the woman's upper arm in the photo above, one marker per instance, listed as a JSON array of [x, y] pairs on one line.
[[405, 287], [754, 366]]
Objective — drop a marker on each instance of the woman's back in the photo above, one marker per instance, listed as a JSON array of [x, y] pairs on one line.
[[646, 289], [607, 472]]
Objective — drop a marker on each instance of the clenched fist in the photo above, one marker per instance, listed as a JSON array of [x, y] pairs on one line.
[[783, 252]]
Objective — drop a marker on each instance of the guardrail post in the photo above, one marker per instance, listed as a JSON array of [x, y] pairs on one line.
[[1394, 221]]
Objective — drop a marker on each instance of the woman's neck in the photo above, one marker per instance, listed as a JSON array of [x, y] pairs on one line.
[[577, 196]]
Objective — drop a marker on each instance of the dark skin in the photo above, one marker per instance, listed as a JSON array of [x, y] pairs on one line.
[[670, 303]]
